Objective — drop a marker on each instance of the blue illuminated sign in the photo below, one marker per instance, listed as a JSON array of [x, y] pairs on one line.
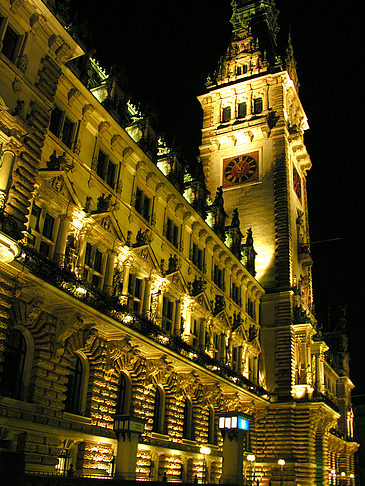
[[243, 423]]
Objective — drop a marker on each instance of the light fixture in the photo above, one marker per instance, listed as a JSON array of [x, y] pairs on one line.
[[234, 421], [251, 457], [281, 462], [205, 450]]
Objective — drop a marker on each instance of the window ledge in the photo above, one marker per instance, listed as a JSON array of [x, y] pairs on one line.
[[14, 403], [76, 418], [157, 435], [188, 441]]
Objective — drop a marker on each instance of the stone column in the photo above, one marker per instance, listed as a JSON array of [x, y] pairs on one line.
[[146, 306], [233, 442], [6, 167], [126, 270], [239, 358], [60, 247], [128, 430], [177, 321], [81, 256], [109, 272]]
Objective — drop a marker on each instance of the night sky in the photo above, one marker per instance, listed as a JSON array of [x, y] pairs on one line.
[[168, 48]]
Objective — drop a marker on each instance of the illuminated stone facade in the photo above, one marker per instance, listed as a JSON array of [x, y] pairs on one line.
[[131, 317]]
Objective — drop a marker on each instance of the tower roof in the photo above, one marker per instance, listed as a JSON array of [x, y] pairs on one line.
[[257, 18]]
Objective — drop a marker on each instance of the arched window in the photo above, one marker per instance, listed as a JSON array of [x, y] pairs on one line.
[[159, 411], [211, 426], [188, 429], [12, 380], [124, 400], [75, 392]]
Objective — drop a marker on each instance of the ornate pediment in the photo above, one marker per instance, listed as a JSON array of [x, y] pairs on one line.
[[108, 222], [203, 301], [58, 180], [146, 255], [177, 280]]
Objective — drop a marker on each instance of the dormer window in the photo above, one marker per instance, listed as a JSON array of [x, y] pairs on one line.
[[257, 106], [242, 109], [226, 114]]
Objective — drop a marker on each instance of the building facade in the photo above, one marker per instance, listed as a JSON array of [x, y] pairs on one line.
[[138, 317]]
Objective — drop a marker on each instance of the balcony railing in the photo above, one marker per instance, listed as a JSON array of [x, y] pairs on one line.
[[67, 282]]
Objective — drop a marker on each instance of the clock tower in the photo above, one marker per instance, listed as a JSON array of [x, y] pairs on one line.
[[252, 146]]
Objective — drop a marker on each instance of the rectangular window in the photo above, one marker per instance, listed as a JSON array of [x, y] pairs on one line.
[[236, 294], [44, 249], [218, 276], [168, 308], [135, 293], [101, 166], [251, 309], [55, 122], [98, 261], [88, 254], [195, 333], [42, 228], [67, 132], [143, 204], [226, 114], [172, 232], [242, 109], [110, 175], [62, 127], [10, 43], [257, 105], [93, 265], [106, 169], [35, 217], [48, 226], [198, 256]]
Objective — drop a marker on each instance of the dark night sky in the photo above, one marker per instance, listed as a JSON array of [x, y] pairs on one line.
[[170, 47]]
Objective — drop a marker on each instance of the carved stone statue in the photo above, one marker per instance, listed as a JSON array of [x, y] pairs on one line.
[[249, 253], [236, 235], [104, 202], [219, 214]]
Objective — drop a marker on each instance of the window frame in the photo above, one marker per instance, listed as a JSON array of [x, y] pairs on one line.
[[140, 198], [89, 264], [198, 256], [57, 127], [257, 109], [218, 276], [5, 25], [159, 410], [239, 105], [135, 302], [124, 407], [79, 409], [168, 323], [172, 232], [188, 432], [23, 376], [36, 237], [226, 114]]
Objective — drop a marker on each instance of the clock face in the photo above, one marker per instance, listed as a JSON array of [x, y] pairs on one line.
[[240, 169], [297, 184]]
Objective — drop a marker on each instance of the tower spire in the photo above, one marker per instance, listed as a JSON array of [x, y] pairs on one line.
[[253, 48]]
